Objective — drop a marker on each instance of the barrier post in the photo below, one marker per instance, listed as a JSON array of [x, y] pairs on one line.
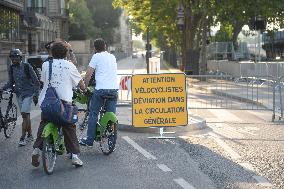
[[161, 129], [274, 106], [280, 95]]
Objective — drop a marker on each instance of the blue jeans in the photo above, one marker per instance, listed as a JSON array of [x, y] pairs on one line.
[[95, 105]]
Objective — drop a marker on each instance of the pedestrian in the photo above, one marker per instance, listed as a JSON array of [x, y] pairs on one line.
[[64, 78], [105, 67], [24, 82]]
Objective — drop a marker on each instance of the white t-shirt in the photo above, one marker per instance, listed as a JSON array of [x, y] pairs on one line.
[[65, 76], [105, 67]]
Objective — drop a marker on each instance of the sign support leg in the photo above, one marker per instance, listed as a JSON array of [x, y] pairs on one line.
[[161, 129]]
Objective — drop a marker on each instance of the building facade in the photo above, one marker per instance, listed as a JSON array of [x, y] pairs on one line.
[[28, 25], [10, 32], [123, 36], [44, 21]]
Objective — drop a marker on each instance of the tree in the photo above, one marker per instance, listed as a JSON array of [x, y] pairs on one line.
[[160, 17], [81, 23], [105, 19]]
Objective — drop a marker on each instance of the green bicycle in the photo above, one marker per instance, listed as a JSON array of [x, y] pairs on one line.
[[53, 145], [106, 132]]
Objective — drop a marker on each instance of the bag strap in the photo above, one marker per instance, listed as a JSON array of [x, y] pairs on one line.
[[50, 71]]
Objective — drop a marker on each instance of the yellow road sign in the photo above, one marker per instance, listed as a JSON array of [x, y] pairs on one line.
[[159, 100]]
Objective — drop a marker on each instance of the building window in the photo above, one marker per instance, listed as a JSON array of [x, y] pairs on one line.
[[36, 6], [9, 24]]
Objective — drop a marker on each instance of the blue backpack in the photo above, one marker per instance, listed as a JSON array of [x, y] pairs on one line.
[[54, 109]]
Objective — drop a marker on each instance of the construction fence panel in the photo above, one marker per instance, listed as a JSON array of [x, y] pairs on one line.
[[245, 68], [224, 92], [278, 99], [124, 92]]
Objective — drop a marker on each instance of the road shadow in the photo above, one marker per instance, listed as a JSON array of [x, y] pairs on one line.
[[224, 172]]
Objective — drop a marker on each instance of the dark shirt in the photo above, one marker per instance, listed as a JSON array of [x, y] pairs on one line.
[[25, 86]]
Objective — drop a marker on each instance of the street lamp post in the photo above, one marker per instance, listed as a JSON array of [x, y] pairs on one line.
[[181, 27], [148, 51], [180, 16]]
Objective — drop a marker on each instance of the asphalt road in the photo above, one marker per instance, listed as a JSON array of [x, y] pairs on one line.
[[235, 151]]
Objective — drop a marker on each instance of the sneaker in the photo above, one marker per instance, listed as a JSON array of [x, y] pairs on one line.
[[22, 142], [76, 161], [68, 155], [30, 138], [83, 142], [35, 157]]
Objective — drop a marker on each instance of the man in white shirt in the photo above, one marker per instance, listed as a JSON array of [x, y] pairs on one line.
[[105, 67]]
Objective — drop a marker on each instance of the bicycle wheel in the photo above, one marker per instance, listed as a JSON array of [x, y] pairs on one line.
[[108, 139], [10, 120], [48, 155]]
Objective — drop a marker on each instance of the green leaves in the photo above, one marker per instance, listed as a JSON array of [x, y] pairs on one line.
[[93, 19], [81, 22], [161, 17]]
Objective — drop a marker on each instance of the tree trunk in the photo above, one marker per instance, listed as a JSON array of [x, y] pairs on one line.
[[237, 29], [191, 23], [203, 58]]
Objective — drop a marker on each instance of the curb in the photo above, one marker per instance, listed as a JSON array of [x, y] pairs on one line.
[[194, 123]]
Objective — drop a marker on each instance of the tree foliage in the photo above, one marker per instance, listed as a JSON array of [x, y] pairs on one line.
[[81, 25], [161, 16], [90, 19], [156, 15], [105, 18]]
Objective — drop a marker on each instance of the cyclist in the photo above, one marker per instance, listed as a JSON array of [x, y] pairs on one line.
[[65, 76], [26, 86], [105, 67]]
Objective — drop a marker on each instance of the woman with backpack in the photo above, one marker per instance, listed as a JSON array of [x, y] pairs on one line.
[[64, 78]]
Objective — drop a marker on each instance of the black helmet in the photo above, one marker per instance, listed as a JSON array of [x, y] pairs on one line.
[[15, 53]]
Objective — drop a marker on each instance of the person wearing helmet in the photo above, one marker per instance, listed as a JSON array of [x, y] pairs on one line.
[[24, 82]]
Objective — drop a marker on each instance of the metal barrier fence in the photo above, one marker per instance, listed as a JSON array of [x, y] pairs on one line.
[[246, 69], [278, 99], [225, 92]]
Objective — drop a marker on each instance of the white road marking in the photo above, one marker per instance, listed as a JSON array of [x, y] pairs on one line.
[[164, 168], [234, 155], [262, 181], [183, 183], [139, 148], [247, 166]]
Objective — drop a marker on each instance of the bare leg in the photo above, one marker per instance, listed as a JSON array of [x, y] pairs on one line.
[[28, 126], [24, 125]]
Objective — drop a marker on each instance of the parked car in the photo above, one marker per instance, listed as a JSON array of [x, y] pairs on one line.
[[36, 62], [134, 55]]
